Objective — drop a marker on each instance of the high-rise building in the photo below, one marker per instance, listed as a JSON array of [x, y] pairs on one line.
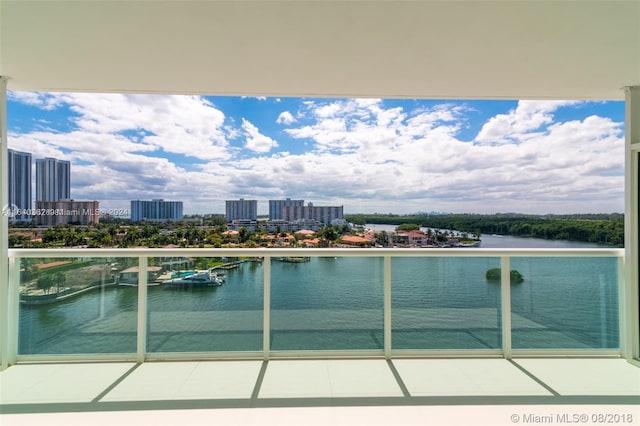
[[327, 215], [241, 209], [63, 212], [275, 207], [19, 171], [156, 210], [53, 179]]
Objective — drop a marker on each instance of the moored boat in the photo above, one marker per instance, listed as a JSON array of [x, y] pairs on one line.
[[200, 279]]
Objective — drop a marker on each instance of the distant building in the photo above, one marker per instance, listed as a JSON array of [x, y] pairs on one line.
[[19, 171], [275, 207], [327, 215], [241, 210], [273, 226], [278, 225], [355, 241], [248, 224], [311, 224], [156, 210], [66, 212], [130, 275], [53, 179]]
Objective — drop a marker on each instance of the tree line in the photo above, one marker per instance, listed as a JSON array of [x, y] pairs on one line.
[[177, 234], [591, 228]]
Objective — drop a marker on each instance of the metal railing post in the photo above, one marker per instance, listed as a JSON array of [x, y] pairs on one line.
[[505, 303], [141, 346], [13, 314], [387, 307], [266, 309], [623, 327]]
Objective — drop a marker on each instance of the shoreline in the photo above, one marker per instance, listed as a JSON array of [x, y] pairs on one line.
[[45, 299]]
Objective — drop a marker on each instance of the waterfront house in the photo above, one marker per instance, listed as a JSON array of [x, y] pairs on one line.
[[129, 276], [355, 241]]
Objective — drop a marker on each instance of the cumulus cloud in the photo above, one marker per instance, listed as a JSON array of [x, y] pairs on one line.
[[366, 154], [45, 101], [256, 141], [520, 160], [528, 116], [285, 117], [187, 125]]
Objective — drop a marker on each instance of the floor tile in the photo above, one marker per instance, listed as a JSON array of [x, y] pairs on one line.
[[188, 380], [329, 378], [52, 383], [296, 379], [362, 378], [469, 377], [586, 376]]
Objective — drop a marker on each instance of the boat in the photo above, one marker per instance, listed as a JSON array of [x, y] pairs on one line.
[[294, 259], [182, 274], [200, 279]]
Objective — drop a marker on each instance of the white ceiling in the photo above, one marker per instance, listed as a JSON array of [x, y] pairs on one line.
[[421, 49]]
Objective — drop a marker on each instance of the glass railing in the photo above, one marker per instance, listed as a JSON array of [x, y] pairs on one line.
[[72, 306], [203, 307], [327, 303], [181, 303], [565, 303], [445, 303]]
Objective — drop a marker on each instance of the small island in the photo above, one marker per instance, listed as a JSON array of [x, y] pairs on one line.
[[495, 275]]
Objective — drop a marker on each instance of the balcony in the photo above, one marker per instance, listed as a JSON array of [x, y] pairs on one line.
[[349, 327], [127, 358]]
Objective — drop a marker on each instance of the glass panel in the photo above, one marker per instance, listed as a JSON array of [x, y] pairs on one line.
[[327, 303], [445, 303], [74, 306], [565, 303], [205, 305]]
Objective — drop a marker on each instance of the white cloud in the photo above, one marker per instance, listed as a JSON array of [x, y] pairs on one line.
[[45, 101], [528, 116], [256, 141], [359, 153], [187, 125], [285, 117], [431, 169]]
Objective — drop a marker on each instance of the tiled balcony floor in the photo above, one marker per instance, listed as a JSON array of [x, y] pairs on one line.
[[329, 391]]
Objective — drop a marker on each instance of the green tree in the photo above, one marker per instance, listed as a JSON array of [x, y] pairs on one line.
[[243, 235], [408, 227], [31, 270], [382, 238], [45, 282]]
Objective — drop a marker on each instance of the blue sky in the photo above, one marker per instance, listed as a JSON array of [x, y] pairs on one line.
[[369, 155]]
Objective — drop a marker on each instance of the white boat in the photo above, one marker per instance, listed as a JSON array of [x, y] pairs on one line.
[[199, 279]]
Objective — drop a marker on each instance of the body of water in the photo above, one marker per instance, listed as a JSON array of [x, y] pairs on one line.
[[337, 304]]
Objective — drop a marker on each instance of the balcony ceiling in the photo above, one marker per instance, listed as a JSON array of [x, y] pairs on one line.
[[429, 49]]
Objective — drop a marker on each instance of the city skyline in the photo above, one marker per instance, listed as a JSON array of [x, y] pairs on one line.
[[370, 155]]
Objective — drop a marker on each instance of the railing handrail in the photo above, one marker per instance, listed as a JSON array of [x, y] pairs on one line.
[[316, 252]]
